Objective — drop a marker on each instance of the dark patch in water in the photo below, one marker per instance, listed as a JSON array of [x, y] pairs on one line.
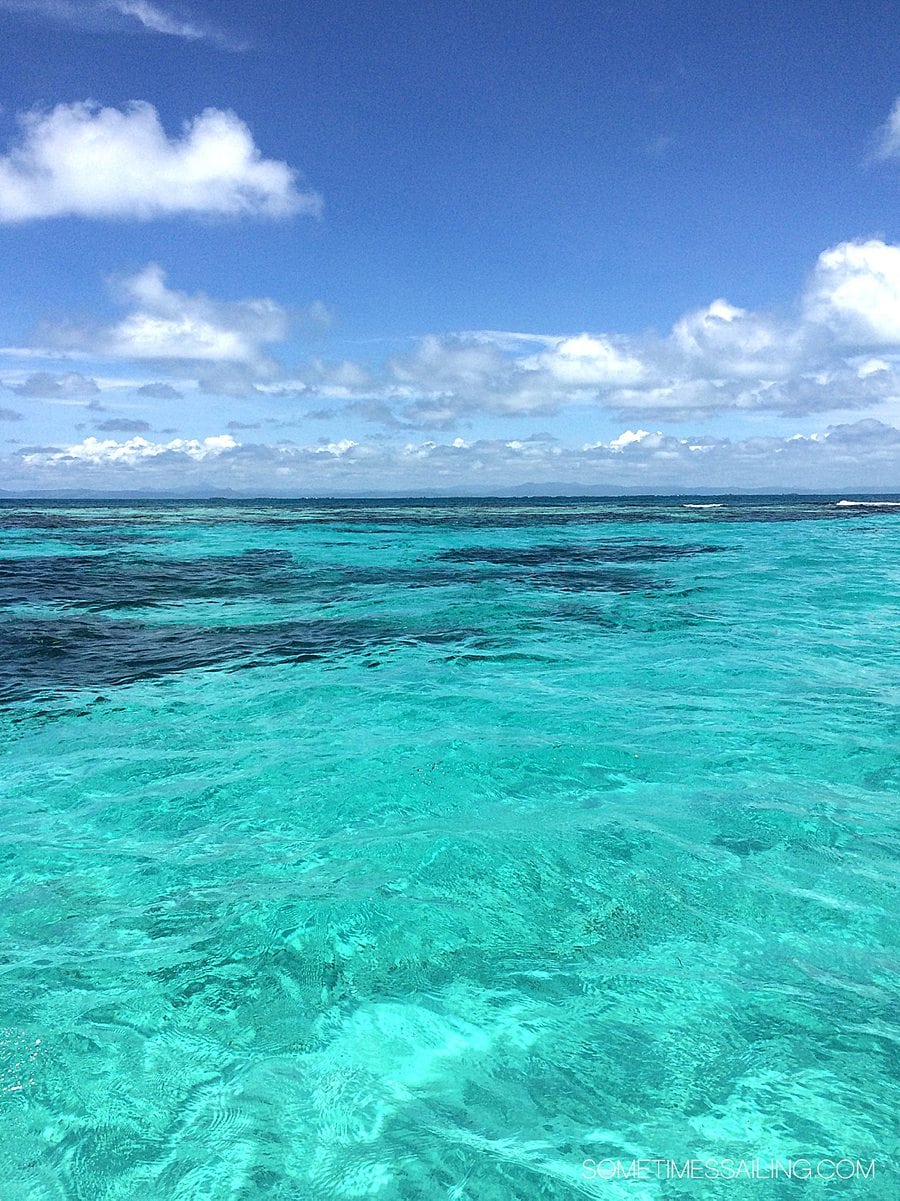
[[45, 659], [109, 582], [659, 622], [740, 846], [560, 554], [596, 580], [40, 519], [564, 580]]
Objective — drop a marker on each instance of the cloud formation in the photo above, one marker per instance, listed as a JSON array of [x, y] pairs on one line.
[[854, 295], [94, 452], [123, 425], [888, 137], [44, 385], [836, 352], [159, 391], [637, 460], [165, 324], [157, 20], [87, 161], [110, 16]]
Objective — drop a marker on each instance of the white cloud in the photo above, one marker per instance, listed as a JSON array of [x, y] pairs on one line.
[[677, 397], [448, 366], [336, 449], [110, 16], [855, 293], [722, 341], [83, 160], [157, 20], [850, 457], [838, 353], [448, 376], [587, 361], [99, 453], [509, 340], [888, 137], [628, 438], [345, 378], [717, 359], [168, 324]]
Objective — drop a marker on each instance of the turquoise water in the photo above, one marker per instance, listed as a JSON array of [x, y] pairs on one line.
[[412, 850]]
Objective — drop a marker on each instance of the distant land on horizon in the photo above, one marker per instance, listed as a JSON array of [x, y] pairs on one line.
[[560, 491]]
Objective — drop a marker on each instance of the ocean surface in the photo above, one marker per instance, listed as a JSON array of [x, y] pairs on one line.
[[423, 850]]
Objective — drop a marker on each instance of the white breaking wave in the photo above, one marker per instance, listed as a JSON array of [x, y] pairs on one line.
[[875, 504]]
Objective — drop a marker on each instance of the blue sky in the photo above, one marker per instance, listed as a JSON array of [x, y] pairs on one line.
[[324, 248]]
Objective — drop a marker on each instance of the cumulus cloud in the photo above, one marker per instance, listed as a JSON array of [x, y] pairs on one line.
[[466, 370], [159, 391], [588, 361], [723, 341], [98, 453], [627, 438], [165, 324], [854, 293], [44, 385], [83, 160], [124, 425], [837, 352], [344, 378], [10, 415], [123, 15], [336, 449]]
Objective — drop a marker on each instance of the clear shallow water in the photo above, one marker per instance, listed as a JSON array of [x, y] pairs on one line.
[[423, 850]]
